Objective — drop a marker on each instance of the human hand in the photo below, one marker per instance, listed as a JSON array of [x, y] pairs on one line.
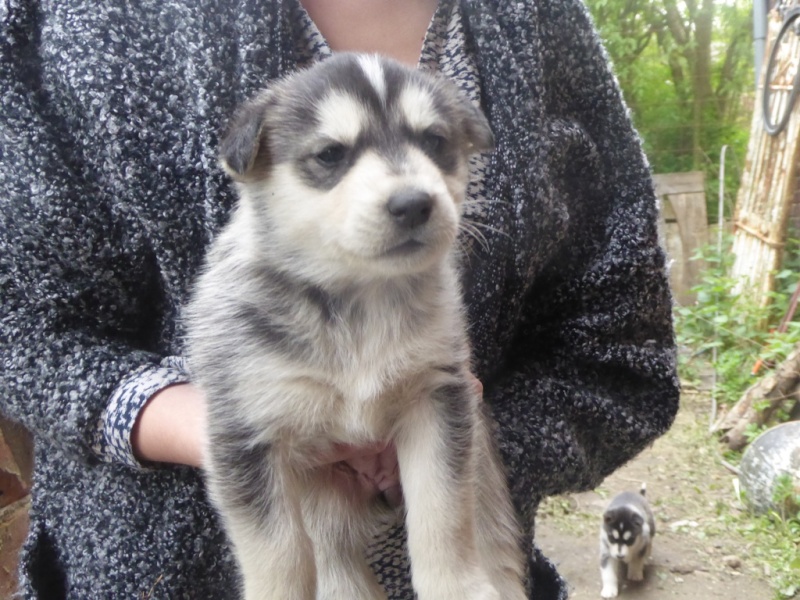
[[171, 427], [370, 469], [365, 470]]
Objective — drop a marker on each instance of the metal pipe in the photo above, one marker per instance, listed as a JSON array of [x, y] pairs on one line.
[[760, 10], [720, 226]]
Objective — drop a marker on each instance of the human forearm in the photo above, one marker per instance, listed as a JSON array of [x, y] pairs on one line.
[[171, 426]]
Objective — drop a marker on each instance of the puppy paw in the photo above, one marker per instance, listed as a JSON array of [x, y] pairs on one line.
[[458, 590], [487, 592], [511, 590], [479, 590], [636, 571], [609, 592]]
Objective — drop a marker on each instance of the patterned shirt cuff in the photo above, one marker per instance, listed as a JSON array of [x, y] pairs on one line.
[[113, 437]]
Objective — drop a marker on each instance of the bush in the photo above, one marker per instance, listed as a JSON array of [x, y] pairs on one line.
[[739, 328]]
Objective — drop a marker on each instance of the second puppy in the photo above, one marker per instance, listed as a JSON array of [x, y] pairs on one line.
[[626, 540], [329, 312]]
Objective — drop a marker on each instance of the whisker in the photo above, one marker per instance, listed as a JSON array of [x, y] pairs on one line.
[[463, 251], [487, 227], [484, 200], [475, 233], [477, 202]]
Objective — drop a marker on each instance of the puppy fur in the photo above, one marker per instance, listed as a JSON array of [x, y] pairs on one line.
[[329, 312], [626, 540]]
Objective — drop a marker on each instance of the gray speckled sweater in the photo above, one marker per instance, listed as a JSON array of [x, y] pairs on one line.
[[110, 192]]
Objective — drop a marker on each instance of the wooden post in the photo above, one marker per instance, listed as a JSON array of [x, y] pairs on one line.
[[684, 228], [765, 197], [16, 466], [773, 390]]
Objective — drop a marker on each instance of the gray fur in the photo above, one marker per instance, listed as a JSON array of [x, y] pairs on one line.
[[626, 539], [309, 328]]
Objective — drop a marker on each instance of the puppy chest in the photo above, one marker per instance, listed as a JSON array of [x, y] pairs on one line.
[[375, 386]]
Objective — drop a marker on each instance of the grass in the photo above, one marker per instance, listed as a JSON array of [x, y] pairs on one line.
[[773, 539], [742, 333], [774, 543]]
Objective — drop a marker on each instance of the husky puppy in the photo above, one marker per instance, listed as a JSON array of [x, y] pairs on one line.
[[329, 312], [626, 537]]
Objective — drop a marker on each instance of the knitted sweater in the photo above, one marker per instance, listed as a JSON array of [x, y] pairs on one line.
[[110, 192]]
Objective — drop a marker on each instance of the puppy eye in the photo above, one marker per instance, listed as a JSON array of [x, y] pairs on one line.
[[432, 142], [331, 155]]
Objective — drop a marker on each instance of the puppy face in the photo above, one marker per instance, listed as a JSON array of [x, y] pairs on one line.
[[623, 528], [356, 167]]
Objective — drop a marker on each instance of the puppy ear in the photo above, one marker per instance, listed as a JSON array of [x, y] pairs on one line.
[[243, 146], [479, 133]]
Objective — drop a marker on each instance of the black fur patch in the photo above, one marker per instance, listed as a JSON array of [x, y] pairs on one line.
[[242, 144], [258, 322], [281, 292], [449, 369], [248, 473], [452, 402]]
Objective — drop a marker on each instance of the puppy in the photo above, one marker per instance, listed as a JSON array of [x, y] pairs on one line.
[[329, 312], [626, 538]]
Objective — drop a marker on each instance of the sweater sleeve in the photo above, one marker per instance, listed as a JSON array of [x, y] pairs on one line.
[[78, 288], [114, 435], [591, 377]]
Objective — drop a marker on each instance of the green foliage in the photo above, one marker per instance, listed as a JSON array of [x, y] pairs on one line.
[[773, 541], [786, 496], [739, 329], [741, 333], [690, 90]]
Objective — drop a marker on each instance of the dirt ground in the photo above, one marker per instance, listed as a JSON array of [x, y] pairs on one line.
[[696, 556]]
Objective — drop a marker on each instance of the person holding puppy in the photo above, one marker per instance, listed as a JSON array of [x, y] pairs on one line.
[[111, 193]]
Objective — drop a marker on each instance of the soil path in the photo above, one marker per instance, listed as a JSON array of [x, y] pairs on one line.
[[695, 555]]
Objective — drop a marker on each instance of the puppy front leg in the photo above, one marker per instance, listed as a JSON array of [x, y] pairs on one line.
[[497, 527], [636, 565], [340, 523], [258, 498], [436, 458], [608, 575]]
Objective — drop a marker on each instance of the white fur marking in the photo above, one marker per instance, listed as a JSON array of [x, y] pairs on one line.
[[373, 69], [626, 536], [418, 108], [342, 117]]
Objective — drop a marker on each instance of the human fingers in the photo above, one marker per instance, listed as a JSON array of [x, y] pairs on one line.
[[477, 386], [339, 452]]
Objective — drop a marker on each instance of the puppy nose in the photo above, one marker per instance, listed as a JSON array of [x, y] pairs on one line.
[[410, 208]]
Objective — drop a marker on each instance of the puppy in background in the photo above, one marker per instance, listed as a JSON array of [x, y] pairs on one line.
[[626, 538], [329, 312]]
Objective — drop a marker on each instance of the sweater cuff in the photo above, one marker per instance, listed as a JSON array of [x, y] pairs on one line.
[[113, 437]]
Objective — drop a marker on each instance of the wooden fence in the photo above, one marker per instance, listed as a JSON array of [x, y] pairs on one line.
[[683, 228], [767, 192]]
